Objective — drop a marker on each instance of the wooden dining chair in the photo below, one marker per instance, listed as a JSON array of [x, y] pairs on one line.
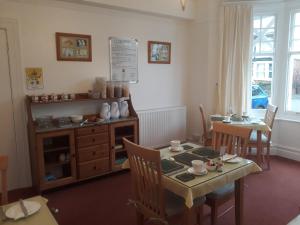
[[206, 136], [3, 170], [266, 136], [233, 140], [152, 201]]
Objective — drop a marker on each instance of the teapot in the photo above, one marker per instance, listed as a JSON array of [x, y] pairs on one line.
[[105, 111], [124, 109], [114, 111]]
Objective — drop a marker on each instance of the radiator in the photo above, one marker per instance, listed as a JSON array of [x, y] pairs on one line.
[[159, 126]]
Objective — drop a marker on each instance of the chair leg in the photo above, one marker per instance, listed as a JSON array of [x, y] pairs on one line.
[[249, 149], [268, 157], [214, 214], [139, 218]]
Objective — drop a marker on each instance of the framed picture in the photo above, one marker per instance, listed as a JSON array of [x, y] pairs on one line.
[[159, 52], [73, 47], [34, 78]]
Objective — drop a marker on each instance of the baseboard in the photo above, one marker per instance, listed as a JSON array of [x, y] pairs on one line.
[[286, 152]]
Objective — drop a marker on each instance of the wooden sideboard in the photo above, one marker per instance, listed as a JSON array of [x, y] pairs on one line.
[[61, 156]]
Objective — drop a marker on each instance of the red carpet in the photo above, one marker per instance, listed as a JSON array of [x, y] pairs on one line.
[[271, 198]]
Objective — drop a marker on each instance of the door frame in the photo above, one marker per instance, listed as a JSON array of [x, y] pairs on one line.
[[17, 86]]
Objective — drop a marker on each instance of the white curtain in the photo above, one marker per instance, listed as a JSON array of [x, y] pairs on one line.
[[236, 36]]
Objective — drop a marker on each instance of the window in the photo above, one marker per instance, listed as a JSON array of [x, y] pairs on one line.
[[262, 60], [293, 95]]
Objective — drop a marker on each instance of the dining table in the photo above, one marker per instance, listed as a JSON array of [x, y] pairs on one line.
[[42, 217], [255, 124], [202, 185]]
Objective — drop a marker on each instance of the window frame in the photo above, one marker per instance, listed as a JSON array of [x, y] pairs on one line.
[[290, 113]]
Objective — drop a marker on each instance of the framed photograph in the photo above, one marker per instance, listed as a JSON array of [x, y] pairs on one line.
[[73, 47], [159, 52]]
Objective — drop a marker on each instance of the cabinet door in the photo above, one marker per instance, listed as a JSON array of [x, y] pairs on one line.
[[56, 158], [118, 131]]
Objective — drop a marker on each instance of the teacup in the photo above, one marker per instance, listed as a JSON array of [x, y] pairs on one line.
[[175, 144], [198, 166], [227, 118]]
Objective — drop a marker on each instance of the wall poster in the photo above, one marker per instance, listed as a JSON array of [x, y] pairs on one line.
[[34, 78], [123, 59]]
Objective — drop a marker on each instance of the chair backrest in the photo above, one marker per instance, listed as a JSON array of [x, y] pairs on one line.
[[203, 118], [3, 170], [270, 115], [233, 138], [145, 166]]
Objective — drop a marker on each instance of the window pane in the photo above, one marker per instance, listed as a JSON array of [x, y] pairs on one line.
[[256, 48], [268, 22], [297, 19], [267, 35], [295, 45], [256, 22], [267, 47], [296, 33], [262, 67], [293, 103]]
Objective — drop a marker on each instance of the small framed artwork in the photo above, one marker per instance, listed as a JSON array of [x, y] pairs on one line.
[[34, 78], [159, 52], [73, 47]]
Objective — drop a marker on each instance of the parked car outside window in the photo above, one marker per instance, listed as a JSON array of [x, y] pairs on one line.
[[259, 97]]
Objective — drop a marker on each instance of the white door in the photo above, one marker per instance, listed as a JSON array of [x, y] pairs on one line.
[[7, 127]]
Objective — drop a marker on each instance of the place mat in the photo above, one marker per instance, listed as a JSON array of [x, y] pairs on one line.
[[187, 158], [187, 147], [207, 153], [169, 166]]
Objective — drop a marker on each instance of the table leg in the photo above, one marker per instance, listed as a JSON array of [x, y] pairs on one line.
[[239, 201], [189, 216], [259, 148]]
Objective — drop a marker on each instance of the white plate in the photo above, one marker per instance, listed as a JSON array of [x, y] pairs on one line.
[[227, 157], [15, 212], [192, 171], [179, 149], [235, 160], [226, 121]]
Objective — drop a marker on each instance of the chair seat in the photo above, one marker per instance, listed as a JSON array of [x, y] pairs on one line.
[[253, 138], [221, 192], [176, 204]]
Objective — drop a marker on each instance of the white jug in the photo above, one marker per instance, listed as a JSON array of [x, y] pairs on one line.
[[114, 111], [105, 111], [124, 109]]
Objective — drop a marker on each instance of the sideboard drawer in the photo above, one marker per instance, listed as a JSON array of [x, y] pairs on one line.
[[93, 152], [91, 130], [93, 168], [95, 139]]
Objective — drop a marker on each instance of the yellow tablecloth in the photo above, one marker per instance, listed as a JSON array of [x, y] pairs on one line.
[[42, 217], [203, 185]]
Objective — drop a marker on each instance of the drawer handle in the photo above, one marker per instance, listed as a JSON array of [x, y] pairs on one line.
[[95, 167]]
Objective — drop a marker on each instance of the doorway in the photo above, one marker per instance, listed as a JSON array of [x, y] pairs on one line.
[[13, 137]]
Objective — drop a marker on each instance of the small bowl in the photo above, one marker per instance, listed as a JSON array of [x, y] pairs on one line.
[[211, 168], [76, 118]]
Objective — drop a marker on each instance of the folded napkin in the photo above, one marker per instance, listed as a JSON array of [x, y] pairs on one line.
[[15, 211]]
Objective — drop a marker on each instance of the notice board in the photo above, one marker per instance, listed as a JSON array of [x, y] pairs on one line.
[[123, 59]]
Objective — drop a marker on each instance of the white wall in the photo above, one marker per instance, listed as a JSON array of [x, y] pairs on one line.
[[159, 85], [39, 22]]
